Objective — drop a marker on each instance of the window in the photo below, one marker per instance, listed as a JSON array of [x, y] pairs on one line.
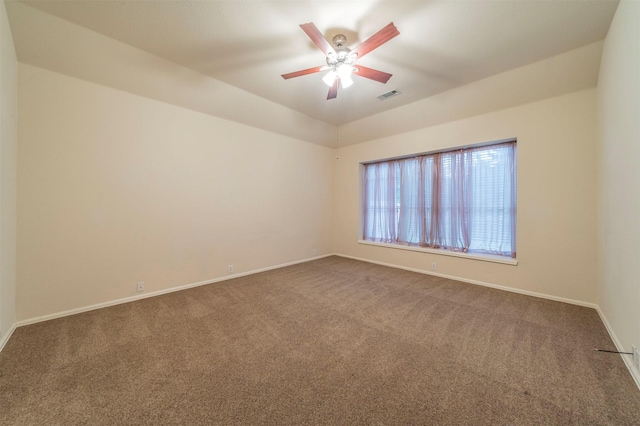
[[462, 200]]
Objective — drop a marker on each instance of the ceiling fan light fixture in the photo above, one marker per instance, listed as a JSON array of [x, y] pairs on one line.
[[344, 74], [330, 78], [344, 70], [346, 82]]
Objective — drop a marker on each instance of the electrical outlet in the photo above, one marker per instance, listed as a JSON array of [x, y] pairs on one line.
[[315, 252], [434, 266], [636, 357], [140, 286], [230, 269]]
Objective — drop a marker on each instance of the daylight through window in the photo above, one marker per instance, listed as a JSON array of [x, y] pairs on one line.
[[462, 200]]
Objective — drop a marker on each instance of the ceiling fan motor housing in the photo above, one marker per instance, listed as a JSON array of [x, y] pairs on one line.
[[342, 54], [339, 40]]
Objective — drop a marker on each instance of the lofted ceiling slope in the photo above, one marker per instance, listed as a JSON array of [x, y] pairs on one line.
[[247, 45]]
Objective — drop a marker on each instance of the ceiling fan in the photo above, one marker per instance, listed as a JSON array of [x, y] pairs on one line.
[[340, 59]]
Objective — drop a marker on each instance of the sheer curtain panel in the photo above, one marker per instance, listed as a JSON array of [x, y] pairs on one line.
[[462, 200]]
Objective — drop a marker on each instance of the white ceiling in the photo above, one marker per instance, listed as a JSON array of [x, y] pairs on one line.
[[248, 45]]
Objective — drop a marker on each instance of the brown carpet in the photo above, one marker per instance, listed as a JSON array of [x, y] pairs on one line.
[[333, 341]]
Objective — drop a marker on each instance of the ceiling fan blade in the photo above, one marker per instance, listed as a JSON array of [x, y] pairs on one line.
[[372, 74], [316, 36], [304, 72], [379, 38], [333, 90]]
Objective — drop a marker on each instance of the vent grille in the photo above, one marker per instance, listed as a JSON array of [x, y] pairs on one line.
[[390, 94]]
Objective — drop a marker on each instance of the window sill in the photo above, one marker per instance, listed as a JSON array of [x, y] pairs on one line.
[[482, 257]]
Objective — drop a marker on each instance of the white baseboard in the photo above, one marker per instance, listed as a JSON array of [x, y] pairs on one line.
[[158, 293], [628, 359], [482, 283], [6, 337]]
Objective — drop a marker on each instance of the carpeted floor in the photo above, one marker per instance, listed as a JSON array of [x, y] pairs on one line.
[[333, 341]]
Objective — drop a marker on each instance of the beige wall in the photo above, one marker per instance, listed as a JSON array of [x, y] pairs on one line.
[[115, 188], [8, 159], [556, 220], [619, 169]]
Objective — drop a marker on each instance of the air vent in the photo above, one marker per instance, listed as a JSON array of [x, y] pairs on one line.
[[389, 94]]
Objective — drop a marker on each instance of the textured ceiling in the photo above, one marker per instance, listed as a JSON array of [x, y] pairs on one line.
[[249, 44]]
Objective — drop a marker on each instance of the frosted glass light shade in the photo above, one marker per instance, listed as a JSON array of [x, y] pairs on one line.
[[346, 81], [329, 78]]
